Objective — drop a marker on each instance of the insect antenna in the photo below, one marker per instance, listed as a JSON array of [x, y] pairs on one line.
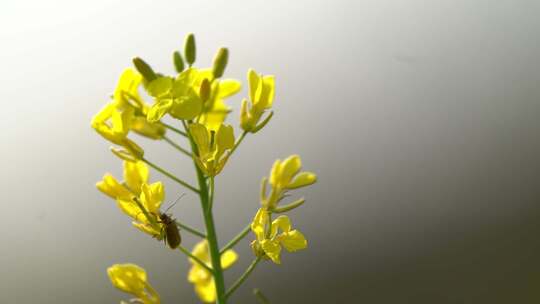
[[176, 201]]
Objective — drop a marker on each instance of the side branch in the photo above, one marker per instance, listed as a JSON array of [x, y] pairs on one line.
[[176, 179], [196, 259], [243, 277], [236, 239]]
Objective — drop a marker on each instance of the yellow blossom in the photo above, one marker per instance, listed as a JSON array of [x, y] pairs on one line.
[[200, 277], [134, 193], [215, 109], [132, 279], [261, 96], [213, 147], [125, 112], [270, 238], [285, 176]]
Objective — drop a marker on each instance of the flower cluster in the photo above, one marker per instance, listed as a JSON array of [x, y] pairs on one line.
[[192, 105], [272, 235]]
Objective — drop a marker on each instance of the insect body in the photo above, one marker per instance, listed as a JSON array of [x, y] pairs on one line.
[[171, 234]]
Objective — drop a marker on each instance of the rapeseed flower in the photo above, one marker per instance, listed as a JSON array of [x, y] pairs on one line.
[[200, 277], [272, 236], [213, 147], [135, 197], [261, 97], [285, 175], [132, 279]]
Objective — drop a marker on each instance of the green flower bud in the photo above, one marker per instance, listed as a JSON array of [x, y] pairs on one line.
[[220, 62], [178, 62], [189, 49], [145, 69]]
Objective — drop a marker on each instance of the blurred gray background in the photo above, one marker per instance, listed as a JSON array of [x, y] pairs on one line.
[[420, 118]]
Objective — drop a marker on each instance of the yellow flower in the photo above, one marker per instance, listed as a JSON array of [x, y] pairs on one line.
[[270, 238], [134, 193], [132, 279], [127, 111], [179, 97], [135, 175], [285, 176], [183, 97], [127, 95], [261, 95], [203, 280], [215, 109], [145, 209], [213, 147]]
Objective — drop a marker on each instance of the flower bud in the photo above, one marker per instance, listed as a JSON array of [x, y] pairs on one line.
[[190, 49], [220, 62], [204, 91], [145, 69], [178, 62]]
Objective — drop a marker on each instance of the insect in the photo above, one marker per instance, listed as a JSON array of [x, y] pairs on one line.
[[171, 236], [169, 231]]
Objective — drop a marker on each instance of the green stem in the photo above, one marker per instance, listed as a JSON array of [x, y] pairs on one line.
[[176, 146], [174, 129], [176, 179], [243, 277], [190, 229], [236, 239], [211, 235], [238, 142], [196, 259], [211, 200]]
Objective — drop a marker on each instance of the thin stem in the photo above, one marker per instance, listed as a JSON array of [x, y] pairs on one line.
[[243, 277], [174, 129], [190, 229], [176, 179], [196, 259], [238, 142], [176, 146], [236, 239], [259, 295], [211, 235], [211, 199]]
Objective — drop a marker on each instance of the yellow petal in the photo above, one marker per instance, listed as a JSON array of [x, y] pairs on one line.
[[160, 86], [228, 258], [135, 175], [201, 251], [228, 87], [198, 274], [293, 240], [259, 223], [275, 173], [130, 208], [111, 187], [128, 277], [128, 83], [148, 229], [272, 249], [281, 222], [186, 106], [141, 125], [152, 196], [206, 291], [253, 79], [267, 95], [289, 168], [200, 136], [159, 109], [303, 179], [225, 137]]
